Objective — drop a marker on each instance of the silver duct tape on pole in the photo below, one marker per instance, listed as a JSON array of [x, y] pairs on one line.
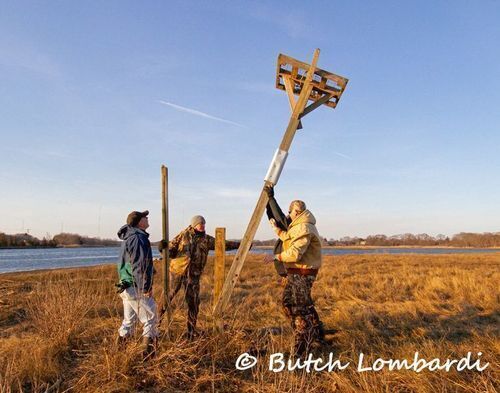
[[277, 164]]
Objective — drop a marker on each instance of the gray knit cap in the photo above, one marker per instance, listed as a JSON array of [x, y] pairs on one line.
[[197, 220]]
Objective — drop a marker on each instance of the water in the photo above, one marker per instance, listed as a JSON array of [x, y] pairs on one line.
[[16, 260]]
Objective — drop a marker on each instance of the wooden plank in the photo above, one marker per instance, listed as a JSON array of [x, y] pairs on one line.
[[316, 104], [246, 242], [323, 82], [284, 59], [289, 91], [317, 86], [166, 261], [316, 93], [219, 262], [291, 96]]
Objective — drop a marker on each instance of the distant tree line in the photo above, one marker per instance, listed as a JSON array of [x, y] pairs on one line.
[[70, 239], [462, 239], [59, 240]]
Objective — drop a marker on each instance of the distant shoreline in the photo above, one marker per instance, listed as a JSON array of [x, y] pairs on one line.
[[52, 247]]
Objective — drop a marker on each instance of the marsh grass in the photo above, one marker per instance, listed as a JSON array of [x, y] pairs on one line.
[[58, 329]]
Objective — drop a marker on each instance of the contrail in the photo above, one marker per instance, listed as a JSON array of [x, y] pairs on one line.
[[198, 113], [342, 155]]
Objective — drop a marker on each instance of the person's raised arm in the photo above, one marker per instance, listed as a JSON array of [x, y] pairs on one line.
[[274, 211]]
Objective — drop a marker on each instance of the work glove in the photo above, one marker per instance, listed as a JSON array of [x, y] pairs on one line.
[[269, 191], [162, 245]]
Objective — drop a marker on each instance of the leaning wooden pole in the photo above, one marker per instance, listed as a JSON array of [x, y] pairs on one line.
[[271, 179], [165, 235]]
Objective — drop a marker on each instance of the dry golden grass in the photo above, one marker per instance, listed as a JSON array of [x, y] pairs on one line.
[[58, 328]]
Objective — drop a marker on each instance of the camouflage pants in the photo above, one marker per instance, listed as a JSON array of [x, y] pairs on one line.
[[299, 308], [191, 285]]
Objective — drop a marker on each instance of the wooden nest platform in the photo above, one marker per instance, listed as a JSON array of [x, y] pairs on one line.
[[324, 84]]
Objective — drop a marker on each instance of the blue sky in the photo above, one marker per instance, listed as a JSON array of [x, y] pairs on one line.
[[92, 98]]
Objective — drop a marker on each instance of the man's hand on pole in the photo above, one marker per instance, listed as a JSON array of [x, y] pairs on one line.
[[162, 245], [269, 189]]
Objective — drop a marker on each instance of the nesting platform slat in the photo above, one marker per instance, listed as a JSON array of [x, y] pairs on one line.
[[323, 82]]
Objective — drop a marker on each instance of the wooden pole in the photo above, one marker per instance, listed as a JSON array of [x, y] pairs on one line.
[[246, 242], [219, 262], [166, 262]]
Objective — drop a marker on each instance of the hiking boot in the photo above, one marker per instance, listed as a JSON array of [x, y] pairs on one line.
[[191, 334], [149, 350], [321, 331], [317, 345]]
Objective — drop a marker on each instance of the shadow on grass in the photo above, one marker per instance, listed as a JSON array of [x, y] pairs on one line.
[[432, 326]]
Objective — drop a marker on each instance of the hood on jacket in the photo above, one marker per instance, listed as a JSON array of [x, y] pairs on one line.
[[126, 231], [306, 217]]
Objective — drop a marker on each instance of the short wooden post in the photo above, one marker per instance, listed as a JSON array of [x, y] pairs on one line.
[[219, 274], [166, 261], [219, 262]]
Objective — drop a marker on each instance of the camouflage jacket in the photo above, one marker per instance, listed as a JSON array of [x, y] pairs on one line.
[[195, 245]]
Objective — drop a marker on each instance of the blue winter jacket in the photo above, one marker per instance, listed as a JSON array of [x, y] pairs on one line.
[[135, 266]]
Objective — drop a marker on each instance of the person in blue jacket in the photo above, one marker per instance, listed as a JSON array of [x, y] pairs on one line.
[[135, 270]]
